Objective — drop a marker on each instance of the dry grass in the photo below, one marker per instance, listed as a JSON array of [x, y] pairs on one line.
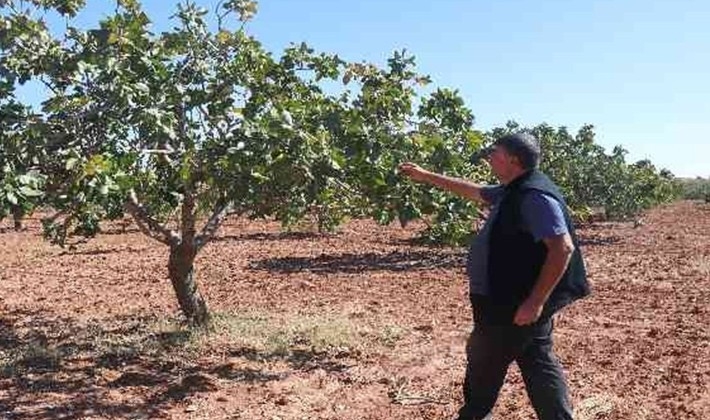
[[702, 264], [596, 407], [318, 333]]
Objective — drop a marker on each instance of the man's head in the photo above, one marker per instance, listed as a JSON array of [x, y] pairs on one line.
[[524, 147], [513, 155]]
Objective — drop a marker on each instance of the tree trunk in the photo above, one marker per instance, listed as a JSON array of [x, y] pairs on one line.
[[17, 215], [182, 276]]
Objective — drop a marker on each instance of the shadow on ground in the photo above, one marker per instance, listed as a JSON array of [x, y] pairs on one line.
[[59, 368], [357, 263], [598, 240], [272, 236]]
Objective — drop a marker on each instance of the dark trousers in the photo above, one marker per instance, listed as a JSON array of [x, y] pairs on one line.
[[492, 346]]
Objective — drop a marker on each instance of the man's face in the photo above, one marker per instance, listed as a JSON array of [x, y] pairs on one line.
[[503, 164]]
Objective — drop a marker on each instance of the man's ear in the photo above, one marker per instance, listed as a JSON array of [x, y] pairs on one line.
[[516, 160]]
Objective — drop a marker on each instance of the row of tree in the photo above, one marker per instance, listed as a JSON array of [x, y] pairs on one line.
[[184, 128], [595, 181], [696, 188]]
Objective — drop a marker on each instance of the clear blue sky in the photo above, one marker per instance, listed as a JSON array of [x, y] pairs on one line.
[[638, 70]]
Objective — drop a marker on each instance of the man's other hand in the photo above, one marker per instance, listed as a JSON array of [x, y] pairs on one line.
[[527, 313]]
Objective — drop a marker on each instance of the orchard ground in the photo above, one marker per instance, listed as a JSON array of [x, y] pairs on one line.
[[362, 324]]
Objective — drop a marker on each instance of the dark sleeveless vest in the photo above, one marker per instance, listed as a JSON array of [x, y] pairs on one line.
[[515, 259]]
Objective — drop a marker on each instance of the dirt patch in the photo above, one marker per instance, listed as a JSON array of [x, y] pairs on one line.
[[356, 325]]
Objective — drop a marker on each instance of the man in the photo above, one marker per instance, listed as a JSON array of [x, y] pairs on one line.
[[523, 266]]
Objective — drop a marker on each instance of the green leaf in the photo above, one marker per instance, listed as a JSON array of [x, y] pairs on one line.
[[259, 176], [71, 163], [29, 192], [11, 197]]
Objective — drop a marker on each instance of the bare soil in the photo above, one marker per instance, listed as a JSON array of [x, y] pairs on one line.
[[362, 324]]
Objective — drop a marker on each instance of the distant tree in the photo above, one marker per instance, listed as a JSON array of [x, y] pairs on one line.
[[696, 188], [21, 182], [591, 178]]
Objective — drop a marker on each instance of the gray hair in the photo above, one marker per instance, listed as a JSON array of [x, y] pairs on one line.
[[524, 146]]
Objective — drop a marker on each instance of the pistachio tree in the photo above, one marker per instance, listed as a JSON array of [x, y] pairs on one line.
[[184, 128]]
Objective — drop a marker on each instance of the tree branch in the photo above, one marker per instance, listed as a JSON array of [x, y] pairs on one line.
[[49, 86], [147, 224], [187, 216], [220, 212], [56, 216]]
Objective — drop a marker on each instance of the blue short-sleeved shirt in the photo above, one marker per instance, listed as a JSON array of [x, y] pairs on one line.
[[542, 216]]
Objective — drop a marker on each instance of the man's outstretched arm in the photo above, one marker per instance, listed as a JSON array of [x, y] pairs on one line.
[[457, 186]]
